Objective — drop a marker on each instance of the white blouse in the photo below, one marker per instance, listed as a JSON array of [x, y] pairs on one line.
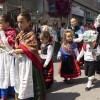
[[48, 56]]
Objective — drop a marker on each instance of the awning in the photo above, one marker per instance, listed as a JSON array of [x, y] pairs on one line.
[[77, 11]]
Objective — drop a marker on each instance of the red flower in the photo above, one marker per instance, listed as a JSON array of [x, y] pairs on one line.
[[2, 1], [64, 7]]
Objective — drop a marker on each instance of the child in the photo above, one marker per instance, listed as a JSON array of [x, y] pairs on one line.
[[69, 67], [29, 83], [7, 42], [89, 56], [46, 55]]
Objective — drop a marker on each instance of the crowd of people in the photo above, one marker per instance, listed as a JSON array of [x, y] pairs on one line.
[[26, 67]]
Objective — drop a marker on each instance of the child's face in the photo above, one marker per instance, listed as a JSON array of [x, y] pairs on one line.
[[43, 40], [3, 24], [69, 36], [22, 22]]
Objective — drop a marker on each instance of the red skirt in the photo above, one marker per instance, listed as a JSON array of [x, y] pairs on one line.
[[48, 73], [81, 62], [69, 68]]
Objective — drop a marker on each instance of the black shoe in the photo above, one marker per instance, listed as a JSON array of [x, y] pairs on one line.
[[65, 80], [94, 81], [68, 81], [87, 88]]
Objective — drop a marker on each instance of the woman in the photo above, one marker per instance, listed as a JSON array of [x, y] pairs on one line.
[[29, 83], [7, 42]]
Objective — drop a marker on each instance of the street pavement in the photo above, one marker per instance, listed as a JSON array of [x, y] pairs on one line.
[[75, 91]]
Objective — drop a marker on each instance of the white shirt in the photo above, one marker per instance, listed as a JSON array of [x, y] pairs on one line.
[[79, 39], [88, 56], [62, 31], [54, 35], [48, 56], [98, 50]]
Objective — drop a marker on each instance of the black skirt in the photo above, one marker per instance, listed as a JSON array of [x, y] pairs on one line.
[[68, 65]]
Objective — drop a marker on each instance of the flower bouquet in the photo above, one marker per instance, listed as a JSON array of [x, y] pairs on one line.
[[3, 49]]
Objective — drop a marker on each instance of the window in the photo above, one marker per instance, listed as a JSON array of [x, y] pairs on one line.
[[52, 6]]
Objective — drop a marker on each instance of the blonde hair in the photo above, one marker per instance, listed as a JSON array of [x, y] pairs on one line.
[[64, 34]]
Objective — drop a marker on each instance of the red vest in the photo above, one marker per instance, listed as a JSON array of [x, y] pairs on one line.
[[84, 45]]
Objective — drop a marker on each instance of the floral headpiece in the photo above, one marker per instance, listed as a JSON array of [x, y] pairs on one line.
[[89, 36]]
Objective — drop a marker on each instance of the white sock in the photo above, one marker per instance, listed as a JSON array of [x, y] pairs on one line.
[[93, 77], [89, 84]]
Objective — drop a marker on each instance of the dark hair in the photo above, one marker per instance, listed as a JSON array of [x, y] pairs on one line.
[[46, 35], [43, 21], [63, 24], [80, 23], [74, 18], [8, 19], [55, 24], [26, 15]]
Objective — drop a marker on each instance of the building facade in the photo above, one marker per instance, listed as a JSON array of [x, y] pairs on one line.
[[85, 10]]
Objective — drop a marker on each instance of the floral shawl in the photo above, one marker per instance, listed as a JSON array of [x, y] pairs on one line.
[[27, 42]]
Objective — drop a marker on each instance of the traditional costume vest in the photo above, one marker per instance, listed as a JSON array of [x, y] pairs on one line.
[[45, 49]]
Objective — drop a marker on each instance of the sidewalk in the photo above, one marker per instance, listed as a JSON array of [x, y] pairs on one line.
[[75, 91]]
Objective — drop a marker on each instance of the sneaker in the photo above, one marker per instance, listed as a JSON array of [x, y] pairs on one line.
[[87, 88]]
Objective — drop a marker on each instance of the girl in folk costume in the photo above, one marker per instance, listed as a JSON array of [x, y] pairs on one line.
[[89, 56], [46, 55], [29, 83], [68, 52], [7, 42], [44, 27]]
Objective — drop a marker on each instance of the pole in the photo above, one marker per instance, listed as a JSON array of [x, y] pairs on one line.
[[6, 7], [21, 3], [43, 8]]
